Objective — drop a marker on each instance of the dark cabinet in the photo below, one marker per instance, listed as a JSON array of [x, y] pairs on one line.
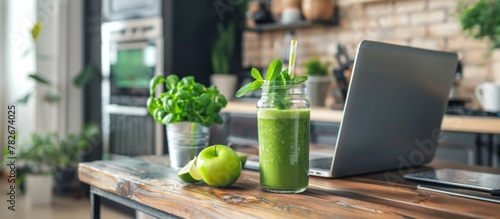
[[457, 147]]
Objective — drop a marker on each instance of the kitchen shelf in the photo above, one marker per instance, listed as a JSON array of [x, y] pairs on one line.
[[297, 25], [291, 26]]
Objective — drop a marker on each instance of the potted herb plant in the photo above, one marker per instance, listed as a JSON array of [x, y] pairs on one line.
[[481, 20], [188, 109], [319, 82], [221, 57]]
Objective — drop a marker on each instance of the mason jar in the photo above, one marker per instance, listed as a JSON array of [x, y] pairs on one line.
[[283, 115]]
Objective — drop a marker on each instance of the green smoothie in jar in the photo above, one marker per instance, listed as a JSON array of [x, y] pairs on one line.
[[284, 149]]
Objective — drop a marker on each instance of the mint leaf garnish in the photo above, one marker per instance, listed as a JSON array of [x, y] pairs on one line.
[[299, 79], [249, 88], [274, 69], [256, 74], [275, 77]]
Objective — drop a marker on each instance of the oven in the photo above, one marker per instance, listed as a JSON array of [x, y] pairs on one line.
[[132, 54]]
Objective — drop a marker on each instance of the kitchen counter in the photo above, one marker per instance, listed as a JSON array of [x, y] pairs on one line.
[[472, 124]]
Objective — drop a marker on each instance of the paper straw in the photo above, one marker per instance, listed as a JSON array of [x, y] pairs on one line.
[[293, 51]]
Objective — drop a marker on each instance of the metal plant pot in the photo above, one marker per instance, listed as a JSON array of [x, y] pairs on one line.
[[185, 141], [317, 89]]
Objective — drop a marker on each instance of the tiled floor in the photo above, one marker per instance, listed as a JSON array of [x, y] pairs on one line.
[[61, 208]]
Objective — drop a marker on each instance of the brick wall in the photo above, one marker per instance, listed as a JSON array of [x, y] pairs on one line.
[[428, 24]]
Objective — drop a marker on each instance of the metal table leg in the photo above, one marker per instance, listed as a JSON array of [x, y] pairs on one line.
[[96, 194], [490, 150], [95, 205], [479, 154]]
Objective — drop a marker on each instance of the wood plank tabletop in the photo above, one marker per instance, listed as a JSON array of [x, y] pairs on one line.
[[150, 181], [473, 124]]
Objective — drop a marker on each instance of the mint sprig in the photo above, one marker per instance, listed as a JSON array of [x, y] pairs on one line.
[[274, 76]]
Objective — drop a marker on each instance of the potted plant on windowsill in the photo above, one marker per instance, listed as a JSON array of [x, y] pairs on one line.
[[481, 20], [188, 109], [319, 81], [222, 53]]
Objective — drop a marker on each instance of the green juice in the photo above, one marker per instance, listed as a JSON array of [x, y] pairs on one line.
[[284, 149]]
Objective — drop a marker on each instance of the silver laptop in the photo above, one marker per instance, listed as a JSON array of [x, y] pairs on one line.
[[393, 112]]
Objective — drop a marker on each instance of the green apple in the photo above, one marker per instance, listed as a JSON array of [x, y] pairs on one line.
[[218, 165]]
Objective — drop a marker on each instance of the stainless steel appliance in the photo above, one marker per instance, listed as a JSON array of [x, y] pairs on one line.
[[132, 53]]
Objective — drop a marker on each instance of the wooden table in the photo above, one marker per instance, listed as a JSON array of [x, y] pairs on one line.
[[149, 185]]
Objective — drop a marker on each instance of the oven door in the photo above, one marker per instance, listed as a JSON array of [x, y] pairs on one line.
[[132, 65], [132, 54]]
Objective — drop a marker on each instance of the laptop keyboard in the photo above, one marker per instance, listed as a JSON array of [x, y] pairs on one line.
[[321, 163], [317, 163]]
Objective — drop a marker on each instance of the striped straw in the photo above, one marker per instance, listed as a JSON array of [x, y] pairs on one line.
[[293, 51]]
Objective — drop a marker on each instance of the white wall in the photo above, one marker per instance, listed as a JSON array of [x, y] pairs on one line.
[[74, 53], [62, 40], [21, 15], [59, 49], [3, 104]]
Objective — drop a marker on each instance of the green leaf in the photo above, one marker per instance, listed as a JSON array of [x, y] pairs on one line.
[[188, 80], [222, 100], [299, 79], [256, 74], [279, 104], [24, 99], [211, 108], [39, 78], [249, 88], [159, 115], [168, 119], [204, 99], [151, 105], [83, 77], [285, 76], [35, 30], [155, 81], [274, 69], [52, 97], [218, 119], [172, 81], [183, 95]]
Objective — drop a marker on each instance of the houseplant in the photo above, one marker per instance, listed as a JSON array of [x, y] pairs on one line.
[[319, 82], [48, 158], [222, 52], [481, 20], [188, 109]]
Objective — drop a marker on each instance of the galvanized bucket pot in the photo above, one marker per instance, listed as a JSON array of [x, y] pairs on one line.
[[185, 140]]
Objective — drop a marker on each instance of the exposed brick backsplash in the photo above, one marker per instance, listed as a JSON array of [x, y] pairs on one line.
[[430, 24]]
